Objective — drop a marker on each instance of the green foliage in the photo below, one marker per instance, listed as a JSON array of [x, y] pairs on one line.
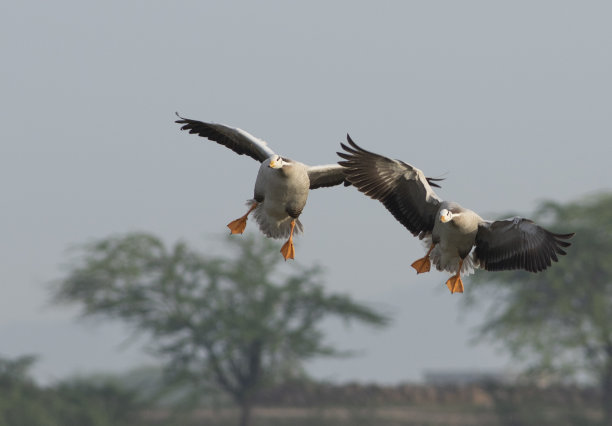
[[559, 320], [16, 370], [23, 403], [237, 322]]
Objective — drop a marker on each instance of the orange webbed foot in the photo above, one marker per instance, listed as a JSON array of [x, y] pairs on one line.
[[454, 284], [422, 265], [237, 226], [288, 249]]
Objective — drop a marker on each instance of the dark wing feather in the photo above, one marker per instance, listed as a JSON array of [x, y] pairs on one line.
[[237, 140], [403, 189], [327, 175], [517, 243]]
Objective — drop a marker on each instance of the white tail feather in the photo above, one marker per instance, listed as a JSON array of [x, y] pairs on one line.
[[447, 262], [272, 227]]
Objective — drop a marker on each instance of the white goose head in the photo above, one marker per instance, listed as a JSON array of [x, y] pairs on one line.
[[278, 162], [447, 215]]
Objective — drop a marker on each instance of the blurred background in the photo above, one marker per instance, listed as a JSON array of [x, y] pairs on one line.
[[509, 102]]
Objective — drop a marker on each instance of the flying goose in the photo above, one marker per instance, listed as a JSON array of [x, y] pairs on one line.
[[450, 231], [281, 187]]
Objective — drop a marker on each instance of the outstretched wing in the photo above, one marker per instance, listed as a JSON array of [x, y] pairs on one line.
[[517, 243], [237, 140], [327, 175], [404, 190]]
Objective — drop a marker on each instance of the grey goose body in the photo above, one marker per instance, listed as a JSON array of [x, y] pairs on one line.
[[281, 187], [458, 239]]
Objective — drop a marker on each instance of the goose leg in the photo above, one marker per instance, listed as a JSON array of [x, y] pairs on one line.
[[423, 264], [288, 250], [454, 283], [237, 226]]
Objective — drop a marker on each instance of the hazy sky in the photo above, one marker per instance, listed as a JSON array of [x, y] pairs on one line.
[[511, 102]]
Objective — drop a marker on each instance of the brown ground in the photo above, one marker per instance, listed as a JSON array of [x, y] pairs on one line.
[[306, 404]]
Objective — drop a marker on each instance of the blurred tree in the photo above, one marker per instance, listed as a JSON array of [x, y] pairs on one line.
[[559, 322], [236, 322], [16, 370], [24, 403]]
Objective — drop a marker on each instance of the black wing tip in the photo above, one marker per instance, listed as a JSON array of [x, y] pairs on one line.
[[354, 148], [560, 243], [352, 143], [348, 150], [182, 120], [565, 236], [432, 182], [194, 126], [344, 155]]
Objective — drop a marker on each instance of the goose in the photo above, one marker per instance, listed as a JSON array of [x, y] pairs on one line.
[[458, 240], [281, 186]]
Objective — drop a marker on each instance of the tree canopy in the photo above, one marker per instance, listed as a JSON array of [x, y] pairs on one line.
[[237, 322], [559, 321], [71, 402]]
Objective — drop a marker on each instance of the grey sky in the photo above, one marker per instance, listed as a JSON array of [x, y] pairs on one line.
[[510, 102]]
